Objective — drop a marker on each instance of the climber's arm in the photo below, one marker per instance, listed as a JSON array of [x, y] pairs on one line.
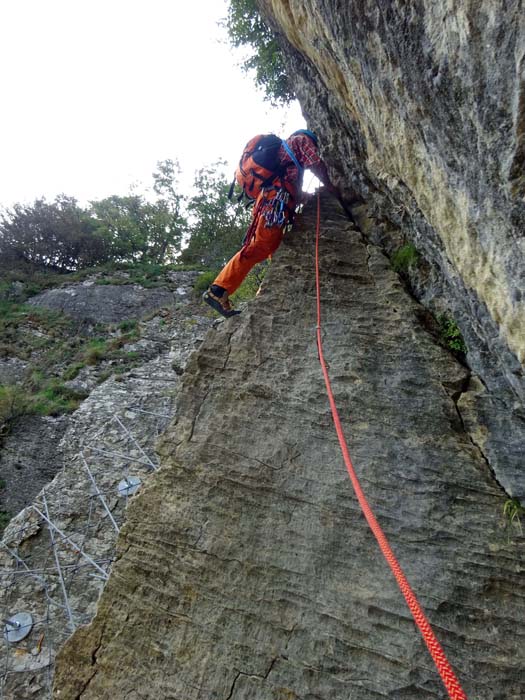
[[320, 171]]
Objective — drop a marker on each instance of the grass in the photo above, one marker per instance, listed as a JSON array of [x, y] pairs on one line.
[[55, 399], [57, 347], [13, 403], [404, 258], [56, 350], [513, 511], [72, 371], [129, 325]]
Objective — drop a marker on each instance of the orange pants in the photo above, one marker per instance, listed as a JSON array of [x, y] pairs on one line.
[[263, 244]]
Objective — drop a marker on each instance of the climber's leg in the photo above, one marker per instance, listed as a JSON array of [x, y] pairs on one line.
[[263, 244]]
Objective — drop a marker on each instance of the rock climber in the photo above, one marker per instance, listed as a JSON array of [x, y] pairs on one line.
[[273, 211]]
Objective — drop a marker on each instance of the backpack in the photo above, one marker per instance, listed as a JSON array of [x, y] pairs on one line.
[[260, 165]]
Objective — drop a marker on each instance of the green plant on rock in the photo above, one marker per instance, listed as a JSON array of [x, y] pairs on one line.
[[128, 325], [96, 351], [451, 335], [204, 280], [513, 511], [13, 403], [5, 517], [55, 398], [249, 288], [404, 258], [72, 371]]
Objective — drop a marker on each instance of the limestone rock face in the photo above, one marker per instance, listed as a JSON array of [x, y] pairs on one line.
[[109, 303], [245, 569], [420, 108], [30, 457]]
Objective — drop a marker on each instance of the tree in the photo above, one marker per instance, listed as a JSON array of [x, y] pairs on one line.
[[138, 230], [216, 225], [246, 27], [58, 235], [169, 212]]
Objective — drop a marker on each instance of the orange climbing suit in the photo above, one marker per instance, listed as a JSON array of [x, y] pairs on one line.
[[261, 240]]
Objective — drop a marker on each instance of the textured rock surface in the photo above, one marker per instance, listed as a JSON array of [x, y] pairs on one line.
[[421, 110], [30, 457], [142, 400], [109, 303], [245, 569]]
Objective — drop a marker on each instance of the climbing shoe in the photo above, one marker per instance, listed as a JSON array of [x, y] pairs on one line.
[[220, 303]]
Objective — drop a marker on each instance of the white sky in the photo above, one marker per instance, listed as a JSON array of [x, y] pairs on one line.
[[95, 92]]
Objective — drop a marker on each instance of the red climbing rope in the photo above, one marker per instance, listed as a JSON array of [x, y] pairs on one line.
[[444, 668]]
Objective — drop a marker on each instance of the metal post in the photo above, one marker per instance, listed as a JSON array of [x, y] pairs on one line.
[[59, 570], [97, 491], [75, 546], [111, 453], [153, 466]]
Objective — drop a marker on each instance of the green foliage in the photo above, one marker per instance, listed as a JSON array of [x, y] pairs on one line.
[[58, 235], [246, 28], [135, 229], [61, 236], [54, 399], [128, 325], [404, 258], [49, 339], [72, 371], [216, 225], [13, 403], [513, 512], [451, 335], [249, 288], [204, 280], [46, 244]]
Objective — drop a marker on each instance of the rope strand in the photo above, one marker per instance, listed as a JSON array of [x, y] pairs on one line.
[[438, 655]]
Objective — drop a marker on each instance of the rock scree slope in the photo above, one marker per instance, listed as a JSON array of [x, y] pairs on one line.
[[245, 569]]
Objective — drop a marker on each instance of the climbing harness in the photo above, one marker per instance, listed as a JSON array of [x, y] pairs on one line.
[[444, 668]]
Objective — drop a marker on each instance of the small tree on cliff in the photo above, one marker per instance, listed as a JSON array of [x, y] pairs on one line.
[[246, 27]]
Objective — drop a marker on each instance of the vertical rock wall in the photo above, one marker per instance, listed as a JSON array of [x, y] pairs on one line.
[[420, 108], [246, 570]]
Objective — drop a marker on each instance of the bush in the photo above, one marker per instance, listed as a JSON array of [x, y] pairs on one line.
[[249, 288], [204, 280], [13, 403], [451, 335]]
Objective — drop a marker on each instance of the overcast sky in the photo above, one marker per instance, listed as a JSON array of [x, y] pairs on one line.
[[95, 92]]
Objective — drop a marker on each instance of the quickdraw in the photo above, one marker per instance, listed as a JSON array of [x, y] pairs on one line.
[[275, 212]]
